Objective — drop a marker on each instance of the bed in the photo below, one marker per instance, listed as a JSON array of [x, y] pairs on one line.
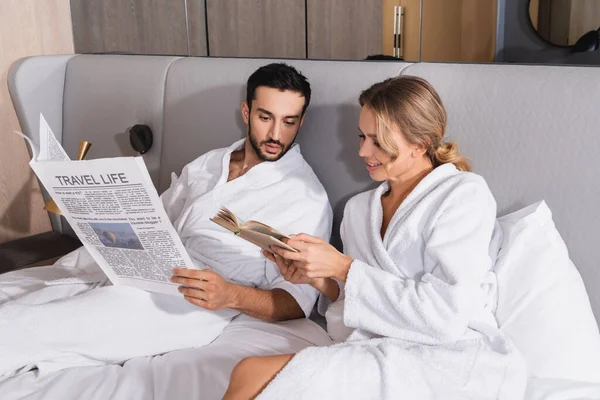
[[529, 130]]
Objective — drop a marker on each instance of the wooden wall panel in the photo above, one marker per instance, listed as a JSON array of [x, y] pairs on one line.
[[256, 28], [344, 29], [478, 34], [459, 30], [27, 28], [412, 29], [442, 30], [138, 26]]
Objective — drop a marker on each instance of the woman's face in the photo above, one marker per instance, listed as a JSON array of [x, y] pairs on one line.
[[376, 158]]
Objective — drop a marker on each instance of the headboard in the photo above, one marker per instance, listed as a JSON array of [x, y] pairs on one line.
[[531, 131]]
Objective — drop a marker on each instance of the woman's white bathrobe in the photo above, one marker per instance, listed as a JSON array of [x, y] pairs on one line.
[[420, 301]]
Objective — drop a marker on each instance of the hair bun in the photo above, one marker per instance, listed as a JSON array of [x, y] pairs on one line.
[[447, 152]]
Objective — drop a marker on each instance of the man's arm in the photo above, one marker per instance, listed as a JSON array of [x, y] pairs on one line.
[[268, 305], [207, 289]]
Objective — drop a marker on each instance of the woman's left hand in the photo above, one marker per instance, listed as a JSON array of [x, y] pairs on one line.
[[290, 273], [316, 257]]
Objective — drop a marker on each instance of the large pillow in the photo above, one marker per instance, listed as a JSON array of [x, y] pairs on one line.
[[542, 303]]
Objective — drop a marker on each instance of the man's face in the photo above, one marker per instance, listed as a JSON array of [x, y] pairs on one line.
[[273, 121]]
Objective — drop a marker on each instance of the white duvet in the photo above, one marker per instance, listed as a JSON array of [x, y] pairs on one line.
[[201, 373]]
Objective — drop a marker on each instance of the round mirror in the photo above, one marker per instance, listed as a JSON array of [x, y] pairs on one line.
[[563, 22]]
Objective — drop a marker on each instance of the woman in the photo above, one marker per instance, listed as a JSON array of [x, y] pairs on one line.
[[416, 279]]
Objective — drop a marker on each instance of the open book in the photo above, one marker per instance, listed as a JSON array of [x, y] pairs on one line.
[[254, 232]]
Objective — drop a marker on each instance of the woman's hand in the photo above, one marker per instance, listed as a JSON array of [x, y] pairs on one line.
[[289, 271], [295, 275], [315, 258]]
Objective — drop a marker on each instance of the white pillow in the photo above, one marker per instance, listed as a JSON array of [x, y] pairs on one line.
[[561, 389], [542, 303]]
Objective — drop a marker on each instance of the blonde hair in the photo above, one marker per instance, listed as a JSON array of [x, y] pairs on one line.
[[412, 105]]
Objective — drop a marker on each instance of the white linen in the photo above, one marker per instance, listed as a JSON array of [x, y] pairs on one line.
[[542, 302], [419, 300], [39, 284], [190, 374], [115, 323], [110, 324]]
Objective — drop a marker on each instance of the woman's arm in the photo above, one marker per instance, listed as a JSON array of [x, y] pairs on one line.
[[328, 287]]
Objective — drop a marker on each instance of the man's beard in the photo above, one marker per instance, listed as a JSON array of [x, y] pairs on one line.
[[265, 156]]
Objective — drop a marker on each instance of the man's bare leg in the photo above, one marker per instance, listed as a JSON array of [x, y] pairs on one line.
[[253, 374]]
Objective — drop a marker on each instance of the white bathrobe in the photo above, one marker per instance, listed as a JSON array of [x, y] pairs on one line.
[[285, 194], [53, 329], [420, 302]]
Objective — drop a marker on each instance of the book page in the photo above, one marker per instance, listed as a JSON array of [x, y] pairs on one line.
[[254, 232], [227, 220], [50, 148], [265, 229], [263, 241]]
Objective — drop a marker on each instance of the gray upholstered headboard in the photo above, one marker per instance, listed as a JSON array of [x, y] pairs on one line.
[[532, 131]]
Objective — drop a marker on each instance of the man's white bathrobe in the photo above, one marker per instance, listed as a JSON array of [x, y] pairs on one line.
[[285, 194], [65, 323], [420, 302]]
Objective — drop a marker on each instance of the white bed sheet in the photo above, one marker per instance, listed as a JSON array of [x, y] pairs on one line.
[[67, 277], [201, 373], [183, 374]]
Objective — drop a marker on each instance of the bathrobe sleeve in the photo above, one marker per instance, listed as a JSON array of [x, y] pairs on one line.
[[174, 197], [438, 306], [202, 174]]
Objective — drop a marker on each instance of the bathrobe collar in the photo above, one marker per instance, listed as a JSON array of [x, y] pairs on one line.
[[266, 172]]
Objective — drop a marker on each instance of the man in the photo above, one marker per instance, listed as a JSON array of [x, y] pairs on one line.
[[262, 177], [288, 197]]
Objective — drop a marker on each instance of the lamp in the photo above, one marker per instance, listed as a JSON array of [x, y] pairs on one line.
[[84, 147]]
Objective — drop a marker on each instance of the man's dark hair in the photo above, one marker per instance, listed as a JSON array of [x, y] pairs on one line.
[[278, 76], [383, 57]]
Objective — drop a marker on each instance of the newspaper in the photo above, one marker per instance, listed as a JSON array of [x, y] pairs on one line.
[[114, 209]]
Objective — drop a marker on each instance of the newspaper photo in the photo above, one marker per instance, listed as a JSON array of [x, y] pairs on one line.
[[114, 209]]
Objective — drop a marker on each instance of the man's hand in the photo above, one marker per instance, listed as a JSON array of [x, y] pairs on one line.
[[205, 288]]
